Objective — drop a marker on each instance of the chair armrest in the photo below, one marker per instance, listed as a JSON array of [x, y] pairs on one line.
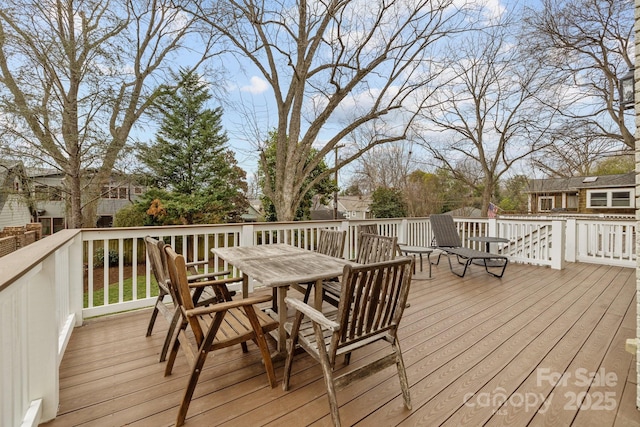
[[192, 277], [223, 306], [218, 282], [313, 314], [192, 263]]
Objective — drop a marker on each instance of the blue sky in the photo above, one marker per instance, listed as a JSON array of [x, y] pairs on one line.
[[248, 108]]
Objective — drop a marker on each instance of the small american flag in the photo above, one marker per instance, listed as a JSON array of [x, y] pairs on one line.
[[492, 212]]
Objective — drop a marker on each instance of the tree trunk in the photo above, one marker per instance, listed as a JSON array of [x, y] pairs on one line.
[[75, 202]]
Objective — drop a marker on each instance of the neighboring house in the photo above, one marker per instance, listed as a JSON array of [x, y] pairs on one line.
[[14, 195], [254, 211], [606, 194], [349, 207], [355, 207], [51, 205], [323, 212]]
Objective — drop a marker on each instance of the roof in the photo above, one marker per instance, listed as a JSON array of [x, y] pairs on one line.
[[355, 203], [574, 183], [43, 172]]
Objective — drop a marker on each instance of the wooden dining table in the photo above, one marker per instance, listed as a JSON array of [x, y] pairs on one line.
[[279, 266]]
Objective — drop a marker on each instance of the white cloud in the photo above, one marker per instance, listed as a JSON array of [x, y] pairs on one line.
[[256, 87]]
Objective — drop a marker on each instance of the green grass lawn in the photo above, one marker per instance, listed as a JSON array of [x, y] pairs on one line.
[[98, 295]]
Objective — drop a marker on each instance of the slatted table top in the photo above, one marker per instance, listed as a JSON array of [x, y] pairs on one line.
[[282, 264]]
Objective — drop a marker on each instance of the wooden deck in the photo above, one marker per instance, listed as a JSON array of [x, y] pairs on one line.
[[479, 351]]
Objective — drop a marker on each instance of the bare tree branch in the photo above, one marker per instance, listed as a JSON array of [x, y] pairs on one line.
[[76, 76], [340, 58]]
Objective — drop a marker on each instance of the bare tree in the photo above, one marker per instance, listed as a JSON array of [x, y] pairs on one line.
[[76, 76], [575, 150], [330, 60], [385, 166], [489, 114], [590, 44]]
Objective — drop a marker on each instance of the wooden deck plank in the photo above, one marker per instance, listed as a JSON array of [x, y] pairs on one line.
[[557, 361], [508, 334], [476, 334], [507, 376]]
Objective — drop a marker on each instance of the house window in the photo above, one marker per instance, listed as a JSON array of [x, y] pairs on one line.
[[546, 203], [58, 224], [46, 226], [51, 225], [105, 221], [610, 199], [115, 192], [598, 200], [620, 199]]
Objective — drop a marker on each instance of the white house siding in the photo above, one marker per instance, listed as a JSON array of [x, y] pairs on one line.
[[14, 212]]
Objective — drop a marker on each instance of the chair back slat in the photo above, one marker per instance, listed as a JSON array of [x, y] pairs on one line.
[[376, 248], [179, 282], [445, 232], [155, 251], [368, 229], [331, 242], [372, 300]]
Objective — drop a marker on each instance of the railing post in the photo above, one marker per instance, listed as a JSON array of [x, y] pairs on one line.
[[572, 240], [403, 231], [344, 226], [76, 267], [558, 240], [246, 235], [42, 341], [493, 228]]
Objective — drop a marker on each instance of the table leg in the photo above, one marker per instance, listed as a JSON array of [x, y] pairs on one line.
[[245, 286], [317, 296], [282, 319]]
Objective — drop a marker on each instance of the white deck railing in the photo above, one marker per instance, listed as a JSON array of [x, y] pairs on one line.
[[43, 286]]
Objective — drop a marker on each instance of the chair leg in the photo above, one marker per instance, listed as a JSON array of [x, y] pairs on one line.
[[193, 381], [171, 335], [262, 344], [504, 267], [328, 375], [307, 293], [466, 265], [154, 314], [402, 374], [291, 349], [347, 358], [203, 351], [174, 349]]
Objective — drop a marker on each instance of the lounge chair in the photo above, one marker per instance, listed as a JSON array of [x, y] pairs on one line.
[[448, 240]]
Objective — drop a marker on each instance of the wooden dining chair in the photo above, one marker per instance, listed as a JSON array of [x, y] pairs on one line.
[[372, 302], [368, 229], [201, 294], [213, 327], [330, 242], [372, 248]]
